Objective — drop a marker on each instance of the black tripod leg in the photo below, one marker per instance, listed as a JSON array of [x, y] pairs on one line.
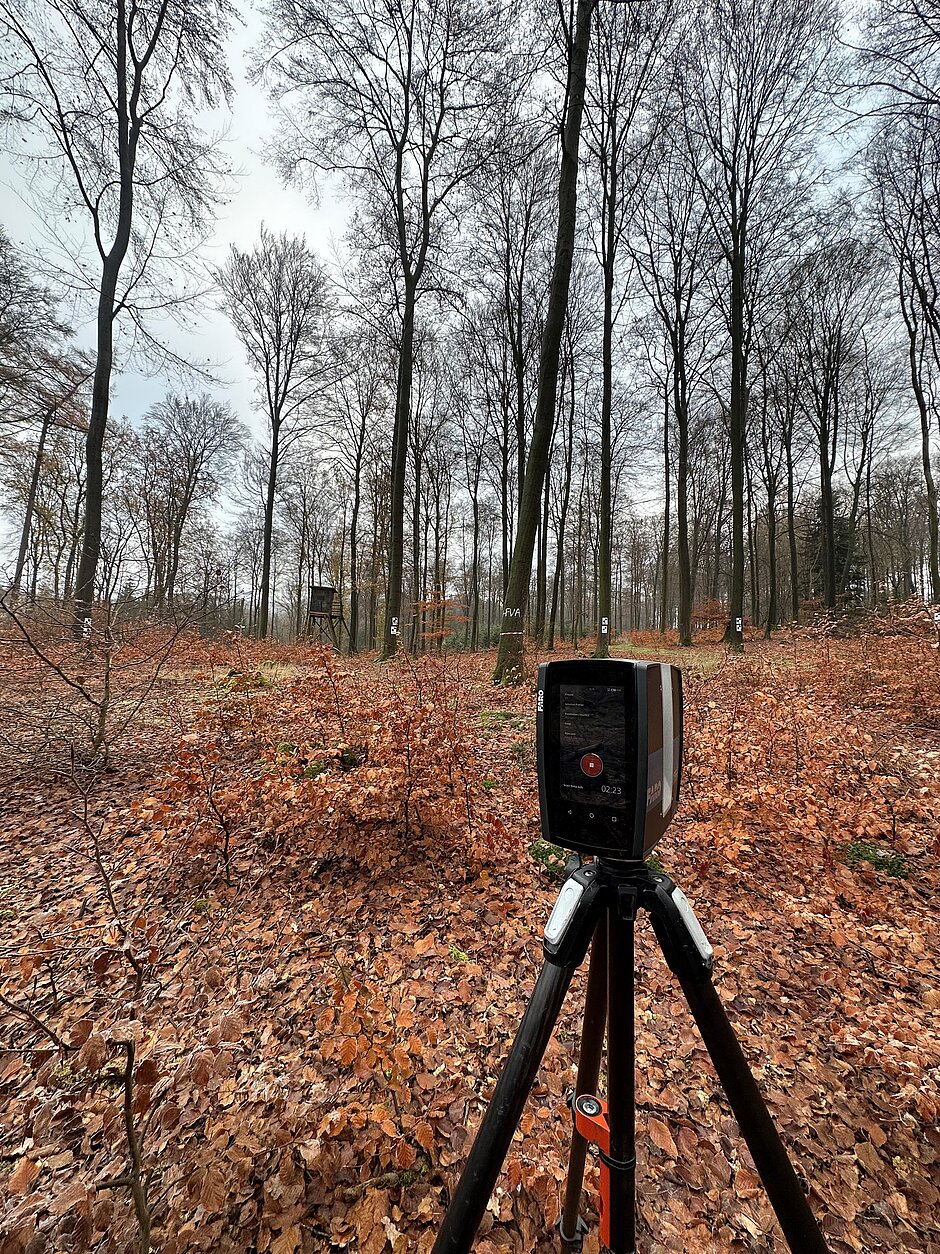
[[621, 1079], [774, 1167], [499, 1123], [570, 1225]]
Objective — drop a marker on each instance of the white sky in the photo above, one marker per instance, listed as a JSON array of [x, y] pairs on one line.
[[258, 196]]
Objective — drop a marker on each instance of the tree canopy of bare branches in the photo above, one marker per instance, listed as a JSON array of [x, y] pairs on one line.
[[109, 94]]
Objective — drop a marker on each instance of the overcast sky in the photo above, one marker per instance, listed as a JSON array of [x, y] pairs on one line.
[[258, 196]]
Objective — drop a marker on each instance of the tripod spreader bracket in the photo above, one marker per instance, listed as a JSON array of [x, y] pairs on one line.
[[573, 918], [684, 944]]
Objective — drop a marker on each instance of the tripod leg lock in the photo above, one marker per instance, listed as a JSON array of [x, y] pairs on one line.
[[573, 1241], [590, 1120]]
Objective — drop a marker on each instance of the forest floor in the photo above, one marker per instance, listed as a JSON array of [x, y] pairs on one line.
[[258, 977]]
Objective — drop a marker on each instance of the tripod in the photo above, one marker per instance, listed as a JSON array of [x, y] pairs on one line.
[[597, 908]]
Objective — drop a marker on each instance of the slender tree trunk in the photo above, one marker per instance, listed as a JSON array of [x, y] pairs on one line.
[[506, 513], [31, 504], [509, 660], [791, 534], [475, 576], [719, 520], [930, 485], [772, 611], [268, 533], [417, 591], [128, 138], [734, 635], [827, 521], [94, 443], [752, 521], [399, 465], [869, 534], [354, 562], [667, 483], [682, 508], [602, 648], [541, 573]]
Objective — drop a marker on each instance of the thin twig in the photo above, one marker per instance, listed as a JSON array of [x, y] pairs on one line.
[[98, 859], [133, 1178], [36, 1021]]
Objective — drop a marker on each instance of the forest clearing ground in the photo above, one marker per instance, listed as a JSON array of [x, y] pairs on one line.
[[321, 1018]]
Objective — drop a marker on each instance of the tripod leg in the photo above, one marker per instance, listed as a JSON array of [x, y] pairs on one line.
[[499, 1123], [774, 1167], [570, 1224], [621, 1080]]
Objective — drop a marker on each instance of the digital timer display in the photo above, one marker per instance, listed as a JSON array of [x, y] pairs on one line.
[[593, 743]]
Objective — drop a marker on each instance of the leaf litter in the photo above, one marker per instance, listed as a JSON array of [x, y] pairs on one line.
[[339, 925]]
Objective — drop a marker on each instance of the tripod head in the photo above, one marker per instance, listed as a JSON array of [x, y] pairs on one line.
[[609, 735]]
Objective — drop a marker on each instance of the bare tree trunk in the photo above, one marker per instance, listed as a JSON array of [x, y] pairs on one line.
[[509, 660], [667, 477], [30, 504], [682, 513], [354, 562], [734, 635], [94, 440], [602, 649], [266, 542], [930, 485], [399, 463]]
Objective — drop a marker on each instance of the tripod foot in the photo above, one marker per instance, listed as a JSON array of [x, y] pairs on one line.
[[576, 1241]]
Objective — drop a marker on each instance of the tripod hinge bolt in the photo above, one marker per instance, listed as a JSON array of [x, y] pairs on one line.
[[590, 1119]]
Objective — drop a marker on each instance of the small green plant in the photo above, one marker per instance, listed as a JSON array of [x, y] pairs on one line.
[[313, 769], [552, 858], [111, 1075], [458, 955], [201, 905], [488, 784], [886, 860], [524, 751], [488, 717], [62, 1076], [7, 915], [654, 864]]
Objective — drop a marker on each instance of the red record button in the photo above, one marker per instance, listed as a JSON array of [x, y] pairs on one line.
[[591, 765]]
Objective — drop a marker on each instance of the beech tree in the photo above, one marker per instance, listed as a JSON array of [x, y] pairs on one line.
[[509, 659], [670, 252], [752, 83], [840, 283], [109, 93], [906, 192], [184, 452], [30, 334], [401, 98], [42, 378], [623, 99], [356, 403], [508, 234], [276, 296]]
